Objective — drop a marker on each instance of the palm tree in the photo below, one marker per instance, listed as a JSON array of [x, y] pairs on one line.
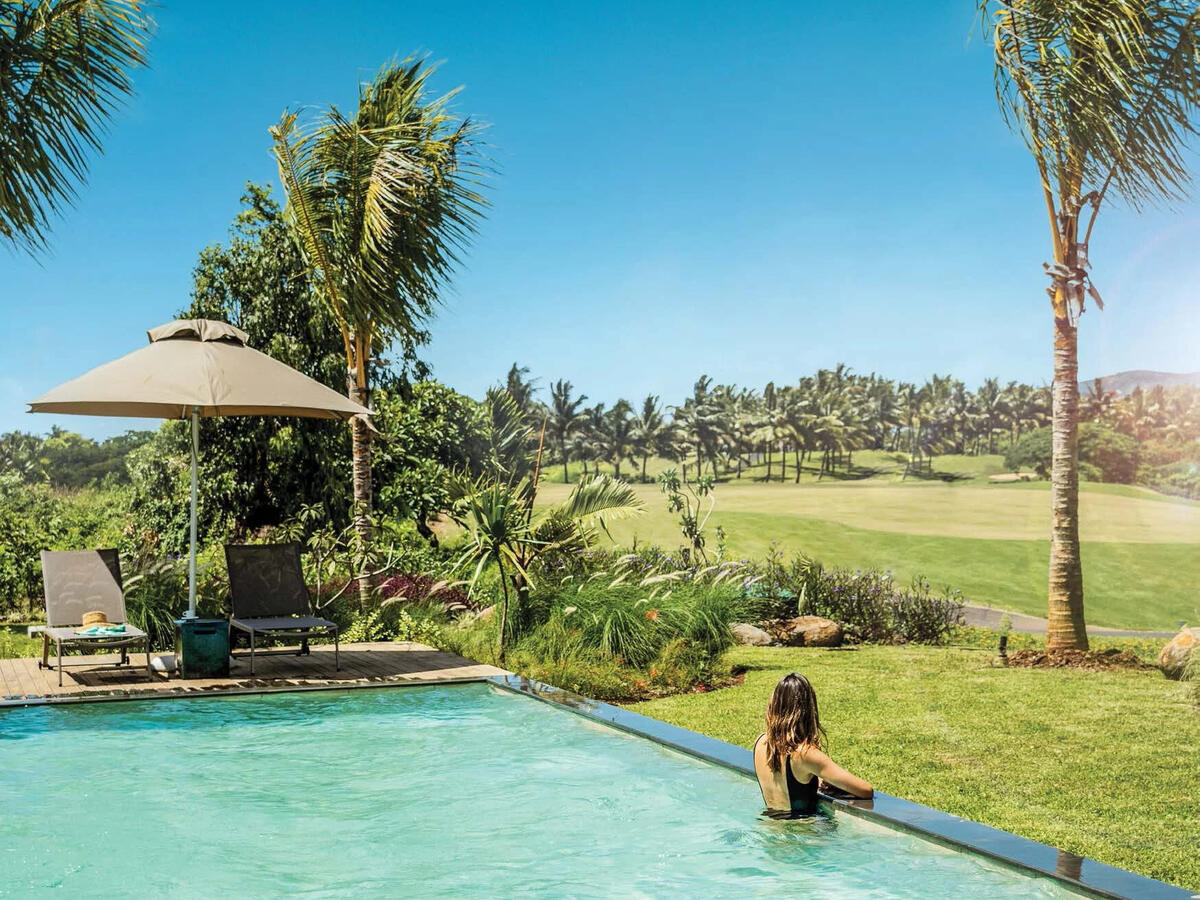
[[64, 67], [381, 204], [617, 435], [651, 432], [522, 389], [990, 404], [566, 415], [1103, 92]]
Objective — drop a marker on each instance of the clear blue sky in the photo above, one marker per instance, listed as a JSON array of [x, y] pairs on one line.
[[747, 190]]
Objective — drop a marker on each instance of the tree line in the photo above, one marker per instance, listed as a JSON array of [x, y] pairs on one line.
[[822, 419]]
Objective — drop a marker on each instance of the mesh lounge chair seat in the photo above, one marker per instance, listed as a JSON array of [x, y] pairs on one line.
[[80, 581], [270, 599]]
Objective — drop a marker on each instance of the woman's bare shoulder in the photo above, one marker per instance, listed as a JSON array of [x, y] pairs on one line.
[[809, 756]]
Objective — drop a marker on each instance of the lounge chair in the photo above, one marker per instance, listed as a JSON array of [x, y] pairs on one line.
[[270, 599], [78, 582]]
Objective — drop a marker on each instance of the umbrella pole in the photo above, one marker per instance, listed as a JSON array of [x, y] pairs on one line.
[[191, 612]]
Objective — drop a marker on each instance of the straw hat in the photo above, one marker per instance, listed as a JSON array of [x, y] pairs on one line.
[[96, 617]]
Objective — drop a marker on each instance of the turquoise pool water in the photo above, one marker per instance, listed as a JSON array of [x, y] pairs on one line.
[[454, 791]]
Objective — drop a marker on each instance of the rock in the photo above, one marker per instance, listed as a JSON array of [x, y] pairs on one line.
[[484, 615], [1173, 660], [750, 635], [812, 631]]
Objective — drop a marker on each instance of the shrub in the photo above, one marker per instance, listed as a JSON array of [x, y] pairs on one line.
[[396, 622], [876, 609], [1104, 454], [1180, 478]]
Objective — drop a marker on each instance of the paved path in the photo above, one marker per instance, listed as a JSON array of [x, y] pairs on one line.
[[987, 617]]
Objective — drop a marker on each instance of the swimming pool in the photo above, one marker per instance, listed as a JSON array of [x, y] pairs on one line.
[[444, 791]]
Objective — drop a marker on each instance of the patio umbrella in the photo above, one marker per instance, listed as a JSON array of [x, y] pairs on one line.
[[196, 368]]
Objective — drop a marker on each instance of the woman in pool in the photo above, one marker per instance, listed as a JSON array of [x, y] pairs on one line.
[[788, 758]]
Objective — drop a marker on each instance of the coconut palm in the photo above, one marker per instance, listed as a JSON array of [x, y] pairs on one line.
[[64, 67], [616, 436], [1104, 93], [381, 203], [565, 418], [651, 432]]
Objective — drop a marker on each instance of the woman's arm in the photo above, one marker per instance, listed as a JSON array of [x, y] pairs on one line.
[[815, 761]]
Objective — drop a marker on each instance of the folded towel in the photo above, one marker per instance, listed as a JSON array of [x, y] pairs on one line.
[[101, 631]]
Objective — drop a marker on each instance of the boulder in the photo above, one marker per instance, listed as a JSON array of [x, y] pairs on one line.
[[812, 631], [1173, 660], [750, 635], [484, 615]]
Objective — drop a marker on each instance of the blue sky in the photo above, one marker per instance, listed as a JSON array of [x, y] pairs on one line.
[[746, 190]]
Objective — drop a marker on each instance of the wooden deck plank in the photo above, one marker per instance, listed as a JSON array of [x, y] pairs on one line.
[[360, 664]]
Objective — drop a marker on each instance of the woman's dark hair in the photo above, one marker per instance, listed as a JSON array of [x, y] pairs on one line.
[[792, 720]]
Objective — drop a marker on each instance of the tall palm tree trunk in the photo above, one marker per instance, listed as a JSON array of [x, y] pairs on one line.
[[1065, 627], [768, 448], [562, 448], [361, 438]]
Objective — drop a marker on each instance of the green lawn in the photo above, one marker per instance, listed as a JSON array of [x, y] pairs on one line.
[[1141, 551], [1100, 764]]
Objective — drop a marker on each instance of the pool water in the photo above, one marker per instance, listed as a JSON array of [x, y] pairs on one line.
[[450, 791]]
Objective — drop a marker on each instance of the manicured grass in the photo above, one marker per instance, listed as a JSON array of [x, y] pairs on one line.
[[1141, 556], [1100, 764]]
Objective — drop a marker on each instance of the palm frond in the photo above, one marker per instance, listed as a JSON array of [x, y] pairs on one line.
[[383, 201], [64, 67], [1103, 92], [601, 496]]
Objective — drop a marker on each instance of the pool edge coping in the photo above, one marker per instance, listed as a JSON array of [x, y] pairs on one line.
[[1095, 878]]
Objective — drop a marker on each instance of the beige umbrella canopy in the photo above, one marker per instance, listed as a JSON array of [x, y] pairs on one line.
[[196, 364], [194, 368]]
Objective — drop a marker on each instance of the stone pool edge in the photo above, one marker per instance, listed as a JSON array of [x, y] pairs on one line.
[[1095, 878]]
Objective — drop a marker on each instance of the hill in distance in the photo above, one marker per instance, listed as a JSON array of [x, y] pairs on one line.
[[1125, 382]]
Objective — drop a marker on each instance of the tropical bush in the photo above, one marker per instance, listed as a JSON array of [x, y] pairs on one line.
[[394, 621], [1104, 454]]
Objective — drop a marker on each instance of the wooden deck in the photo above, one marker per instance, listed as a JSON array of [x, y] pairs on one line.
[[381, 663]]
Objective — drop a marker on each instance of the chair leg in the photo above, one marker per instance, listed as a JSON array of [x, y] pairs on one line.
[[58, 644], [45, 650]]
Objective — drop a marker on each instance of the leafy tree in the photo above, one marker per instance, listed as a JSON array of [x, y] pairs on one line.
[[64, 67], [382, 202], [69, 460], [427, 432], [1104, 454], [260, 471], [1103, 93]]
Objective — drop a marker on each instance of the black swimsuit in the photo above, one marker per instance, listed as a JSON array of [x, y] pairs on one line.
[[802, 797]]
